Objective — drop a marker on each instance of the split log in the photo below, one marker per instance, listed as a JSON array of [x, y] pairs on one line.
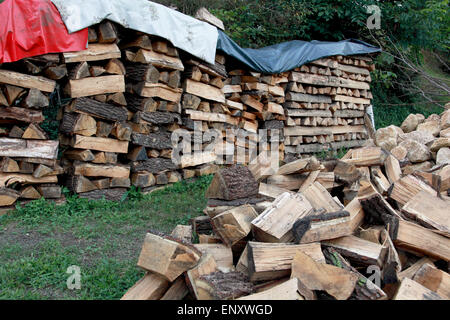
[[393, 170], [99, 144], [359, 250], [204, 91], [320, 199], [8, 165], [156, 165], [42, 171], [232, 183], [235, 224], [150, 287], [167, 257], [365, 289], [206, 265], [98, 109], [27, 81], [183, 233], [34, 132], [223, 255], [35, 100], [204, 15], [142, 72], [80, 155], [269, 261], [157, 118], [411, 290], [30, 193], [7, 179], [407, 188], [288, 290], [8, 196], [177, 291], [95, 85], [159, 141], [81, 124], [322, 227], [56, 72], [159, 60], [80, 184], [338, 282], [21, 114], [434, 279], [143, 179], [95, 52], [416, 239], [81, 71], [429, 210], [50, 191], [28, 148], [158, 90], [276, 222], [300, 166], [116, 194], [223, 286], [137, 154], [93, 170]]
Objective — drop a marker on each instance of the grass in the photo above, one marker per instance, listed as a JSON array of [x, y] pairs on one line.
[[40, 241]]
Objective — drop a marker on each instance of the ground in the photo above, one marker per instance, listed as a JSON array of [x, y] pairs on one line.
[[39, 242]]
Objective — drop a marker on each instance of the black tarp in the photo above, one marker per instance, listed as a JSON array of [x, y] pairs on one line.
[[290, 55]]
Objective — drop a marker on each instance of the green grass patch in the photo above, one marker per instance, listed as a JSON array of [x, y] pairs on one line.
[[41, 240]]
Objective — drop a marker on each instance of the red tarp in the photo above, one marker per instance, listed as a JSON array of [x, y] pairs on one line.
[[34, 27]]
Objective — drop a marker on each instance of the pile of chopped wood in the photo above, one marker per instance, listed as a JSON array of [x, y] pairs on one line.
[[28, 163], [358, 228], [419, 143], [326, 104]]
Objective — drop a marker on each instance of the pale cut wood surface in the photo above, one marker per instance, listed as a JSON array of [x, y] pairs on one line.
[[150, 287], [99, 144], [27, 81], [95, 86], [95, 52], [46, 149]]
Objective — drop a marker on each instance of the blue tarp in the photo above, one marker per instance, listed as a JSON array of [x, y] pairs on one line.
[[290, 55]]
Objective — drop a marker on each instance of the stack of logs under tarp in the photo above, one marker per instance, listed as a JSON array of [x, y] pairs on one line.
[[325, 105], [28, 158], [125, 96], [305, 238]]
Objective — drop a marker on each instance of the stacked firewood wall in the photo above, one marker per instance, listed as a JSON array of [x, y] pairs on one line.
[[94, 129], [260, 98], [153, 95], [205, 115], [325, 105], [28, 158], [125, 96]]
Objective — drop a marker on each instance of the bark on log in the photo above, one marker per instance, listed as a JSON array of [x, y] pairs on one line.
[[155, 165], [99, 109], [233, 183]]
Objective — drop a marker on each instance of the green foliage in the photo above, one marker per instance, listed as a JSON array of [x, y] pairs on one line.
[[331, 154]]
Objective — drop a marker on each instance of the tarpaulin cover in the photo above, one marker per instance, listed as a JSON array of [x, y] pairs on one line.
[[194, 36], [290, 55], [34, 27]]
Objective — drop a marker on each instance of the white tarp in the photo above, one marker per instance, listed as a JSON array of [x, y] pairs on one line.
[[194, 36]]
